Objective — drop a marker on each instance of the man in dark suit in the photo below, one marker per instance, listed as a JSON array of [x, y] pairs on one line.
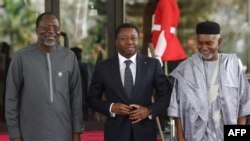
[[129, 108]]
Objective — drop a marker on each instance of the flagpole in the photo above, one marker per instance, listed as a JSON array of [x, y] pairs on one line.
[[151, 52], [165, 41], [171, 120]]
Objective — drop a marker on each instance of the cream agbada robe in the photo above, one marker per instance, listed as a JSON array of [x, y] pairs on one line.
[[43, 95], [189, 99]]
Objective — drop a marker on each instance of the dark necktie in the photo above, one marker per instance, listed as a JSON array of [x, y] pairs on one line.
[[128, 78]]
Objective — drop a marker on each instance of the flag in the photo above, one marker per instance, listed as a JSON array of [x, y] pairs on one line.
[[164, 39]]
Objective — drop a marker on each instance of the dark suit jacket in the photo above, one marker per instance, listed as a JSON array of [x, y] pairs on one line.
[[149, 77]]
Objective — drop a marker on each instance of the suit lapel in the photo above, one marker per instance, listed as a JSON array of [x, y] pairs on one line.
[[140, 67]]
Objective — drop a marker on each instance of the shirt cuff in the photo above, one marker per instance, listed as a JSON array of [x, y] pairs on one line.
[[111, 113], [150, 117], [150, 114]]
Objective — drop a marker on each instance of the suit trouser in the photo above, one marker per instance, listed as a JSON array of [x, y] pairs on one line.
[[132, 137]]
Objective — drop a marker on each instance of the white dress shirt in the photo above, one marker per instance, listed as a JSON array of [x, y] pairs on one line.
[[122, 66]]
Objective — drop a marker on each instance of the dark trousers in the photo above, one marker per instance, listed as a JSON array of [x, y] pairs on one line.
[[132, 137]]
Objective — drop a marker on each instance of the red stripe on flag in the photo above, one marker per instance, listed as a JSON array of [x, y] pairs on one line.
[[166, 18]]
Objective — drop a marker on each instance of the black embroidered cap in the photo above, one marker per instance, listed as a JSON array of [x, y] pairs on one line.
[[208, 27]]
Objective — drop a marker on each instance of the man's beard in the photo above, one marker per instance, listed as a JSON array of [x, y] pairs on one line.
[[208, 56], [48, 43]]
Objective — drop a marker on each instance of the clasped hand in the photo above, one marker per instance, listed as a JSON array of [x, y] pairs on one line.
[[135, 112]]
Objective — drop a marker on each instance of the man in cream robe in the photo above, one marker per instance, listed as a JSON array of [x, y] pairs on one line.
[[210, 90]]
